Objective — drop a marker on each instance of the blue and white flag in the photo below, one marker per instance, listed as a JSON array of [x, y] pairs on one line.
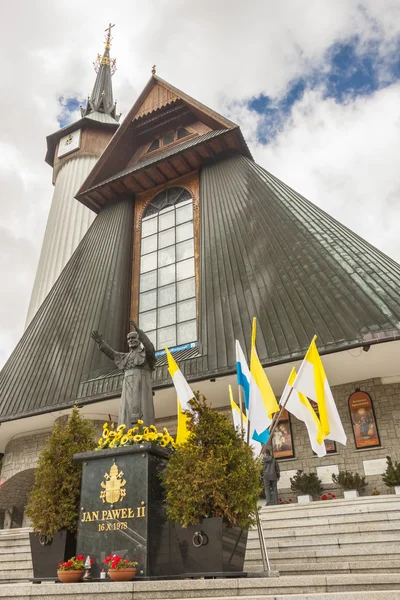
[[255, 409], [243, 374]]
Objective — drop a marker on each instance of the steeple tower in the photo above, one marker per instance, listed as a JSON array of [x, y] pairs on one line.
[[72, 152], [101, 99]]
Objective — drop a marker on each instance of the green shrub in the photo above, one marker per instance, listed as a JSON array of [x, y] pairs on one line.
[[54, 502], [306, 483], [213, 473], [349, 481], [391, 476]]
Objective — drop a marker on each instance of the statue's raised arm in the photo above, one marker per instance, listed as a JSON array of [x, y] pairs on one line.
[[148, 345], [103, 346]]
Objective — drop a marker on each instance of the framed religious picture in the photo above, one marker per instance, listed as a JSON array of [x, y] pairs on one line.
[[362, 416], [282, 442], [330, 445]]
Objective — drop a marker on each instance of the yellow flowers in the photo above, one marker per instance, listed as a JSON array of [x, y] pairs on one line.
[[136, 435]]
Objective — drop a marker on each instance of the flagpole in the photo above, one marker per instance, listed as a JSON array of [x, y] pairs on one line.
[[240, 406]]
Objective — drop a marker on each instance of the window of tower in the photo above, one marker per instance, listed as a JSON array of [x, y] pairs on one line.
[[167, 293]]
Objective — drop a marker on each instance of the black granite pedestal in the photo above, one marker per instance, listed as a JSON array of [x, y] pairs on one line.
[[122, 510]]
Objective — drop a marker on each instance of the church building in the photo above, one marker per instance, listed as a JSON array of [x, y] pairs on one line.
[[166, 219]]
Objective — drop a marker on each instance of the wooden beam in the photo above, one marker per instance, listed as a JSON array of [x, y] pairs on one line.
[[90, 203], [158, 169], [198, 156], [137, 182], [185, 162], [171, 166], [153, 181]]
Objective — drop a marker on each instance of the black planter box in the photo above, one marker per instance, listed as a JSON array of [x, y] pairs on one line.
[[45, 559], [212, 547]]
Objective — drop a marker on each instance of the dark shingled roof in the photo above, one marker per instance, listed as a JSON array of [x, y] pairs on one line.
[[56, 351], [265, 251]]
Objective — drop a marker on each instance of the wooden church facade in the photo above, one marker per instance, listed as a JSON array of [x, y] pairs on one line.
[[192, 239]]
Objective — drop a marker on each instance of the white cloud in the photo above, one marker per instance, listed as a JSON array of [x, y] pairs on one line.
[[220, 52], [344, 159]]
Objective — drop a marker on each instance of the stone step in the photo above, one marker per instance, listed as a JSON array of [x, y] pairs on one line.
[[321, 554], [15, 575], [16, 565], [11, 532], [340, 566], [328, 529], [16, 556], [16, 539], [17, 549], [327, 586], [321, 540], [352, 519], [331, 508], [21, 541]]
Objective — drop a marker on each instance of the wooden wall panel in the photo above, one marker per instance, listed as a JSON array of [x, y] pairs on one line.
[[157, 98]]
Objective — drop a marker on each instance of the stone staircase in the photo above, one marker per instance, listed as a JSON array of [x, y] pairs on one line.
[[15, 555], [332, 550], [334, 536]]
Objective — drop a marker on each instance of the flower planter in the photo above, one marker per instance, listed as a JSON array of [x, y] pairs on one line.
[[303, 499], [211, 547], [46, 557], [397, 489], [122, 574], [351, 494], [70, 576]]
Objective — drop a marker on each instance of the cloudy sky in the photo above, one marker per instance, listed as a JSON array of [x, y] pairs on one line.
[[315, 85]]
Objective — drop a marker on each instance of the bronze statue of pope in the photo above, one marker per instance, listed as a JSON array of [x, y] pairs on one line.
[[137, 364]]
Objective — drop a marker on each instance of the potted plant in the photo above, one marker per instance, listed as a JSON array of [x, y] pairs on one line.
[[306, 485], [351, 483], [53, 504], [212, 484], [72, 570], [391, 477], [120, 569]]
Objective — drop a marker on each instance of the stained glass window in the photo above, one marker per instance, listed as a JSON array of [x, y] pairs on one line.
[[167, 294]]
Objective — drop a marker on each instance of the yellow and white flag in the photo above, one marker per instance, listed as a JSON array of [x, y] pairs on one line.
[[240, 421], [262, 403], [299, 406], [184, 394], [311, 381]]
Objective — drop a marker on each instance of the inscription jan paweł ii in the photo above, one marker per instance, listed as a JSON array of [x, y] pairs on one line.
[[113, 519]]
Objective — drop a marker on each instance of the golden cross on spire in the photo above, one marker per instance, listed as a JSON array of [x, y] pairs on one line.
[[108, 36]]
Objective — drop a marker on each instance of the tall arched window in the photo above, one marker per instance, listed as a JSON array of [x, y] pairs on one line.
[[167, 301]]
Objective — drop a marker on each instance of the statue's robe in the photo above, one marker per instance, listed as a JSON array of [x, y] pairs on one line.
[[137, 394]]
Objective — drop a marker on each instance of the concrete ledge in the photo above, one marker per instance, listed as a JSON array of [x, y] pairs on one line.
[[303, 586]]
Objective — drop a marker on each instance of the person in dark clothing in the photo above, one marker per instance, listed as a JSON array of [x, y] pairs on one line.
[[271, 475]]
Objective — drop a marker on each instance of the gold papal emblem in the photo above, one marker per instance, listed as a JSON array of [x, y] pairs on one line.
[[113, 487]]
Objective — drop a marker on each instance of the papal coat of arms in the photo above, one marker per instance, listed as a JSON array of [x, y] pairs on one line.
[[114, 486]]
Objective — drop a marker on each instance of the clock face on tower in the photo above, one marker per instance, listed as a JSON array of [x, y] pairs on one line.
[[69, 143]]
